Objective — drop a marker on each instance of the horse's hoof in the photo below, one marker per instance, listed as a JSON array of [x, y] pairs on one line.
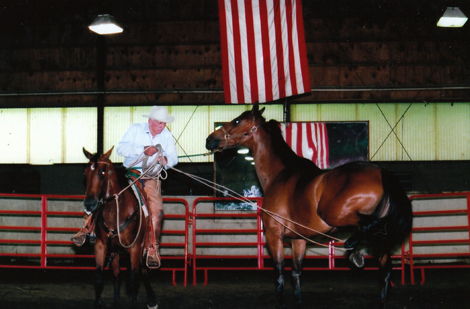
[[357, 259]]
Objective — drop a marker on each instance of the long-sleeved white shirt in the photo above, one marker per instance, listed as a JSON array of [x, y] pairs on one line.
[[137, 137]]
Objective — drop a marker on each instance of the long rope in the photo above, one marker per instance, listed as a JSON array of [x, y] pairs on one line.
[[273, 215], [237, 196], [116, 197], [197, 155]]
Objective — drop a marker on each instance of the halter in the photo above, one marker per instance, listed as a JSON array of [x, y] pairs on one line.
[[245, 135]]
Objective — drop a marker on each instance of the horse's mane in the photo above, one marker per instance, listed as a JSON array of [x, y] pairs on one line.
[[288, 157]]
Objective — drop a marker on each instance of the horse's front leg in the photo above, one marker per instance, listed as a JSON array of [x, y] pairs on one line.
[[135, 257], [117, 282], [276, 247], [151, 300], [100, 255], [298, 254]]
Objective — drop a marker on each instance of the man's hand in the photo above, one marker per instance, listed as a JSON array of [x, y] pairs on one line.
[[150, 151], [162, 160]]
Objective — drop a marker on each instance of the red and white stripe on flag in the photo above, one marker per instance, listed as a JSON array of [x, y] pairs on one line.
[[308, 140], [263, 49]]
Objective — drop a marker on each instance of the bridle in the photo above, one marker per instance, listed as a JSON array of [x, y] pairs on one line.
[[108, 198], [244, 135]]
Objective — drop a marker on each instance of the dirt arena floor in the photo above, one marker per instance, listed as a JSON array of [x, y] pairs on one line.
[[54, 289]]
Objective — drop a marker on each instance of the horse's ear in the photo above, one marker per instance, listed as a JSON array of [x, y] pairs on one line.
[[262, 111], [106, 155], [87, 154], [256, 110]]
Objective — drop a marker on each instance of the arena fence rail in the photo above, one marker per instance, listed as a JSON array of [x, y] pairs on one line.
[[440, 237], [35, 233]]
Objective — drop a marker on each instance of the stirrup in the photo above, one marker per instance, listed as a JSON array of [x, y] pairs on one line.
[[79, 239], [152, 258]]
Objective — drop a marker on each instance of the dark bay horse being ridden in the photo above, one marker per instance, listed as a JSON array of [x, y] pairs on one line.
[[356, 194], [120, 227]]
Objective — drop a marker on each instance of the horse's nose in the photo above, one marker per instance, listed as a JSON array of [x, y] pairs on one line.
[[90, 204], [211, 143]]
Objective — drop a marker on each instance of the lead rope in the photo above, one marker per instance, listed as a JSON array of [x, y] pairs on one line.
[[273, 215]]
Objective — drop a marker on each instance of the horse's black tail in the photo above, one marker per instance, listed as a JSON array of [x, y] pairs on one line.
[[392, 229]]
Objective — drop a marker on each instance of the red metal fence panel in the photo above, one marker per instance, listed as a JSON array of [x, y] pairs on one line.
[[453, 231], [46, 230]]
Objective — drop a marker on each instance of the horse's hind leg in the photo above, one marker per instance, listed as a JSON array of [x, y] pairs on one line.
[[385, 269], [151, 300], [298, 254]]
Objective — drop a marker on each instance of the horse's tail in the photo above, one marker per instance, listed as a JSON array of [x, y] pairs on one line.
[[393, 228]]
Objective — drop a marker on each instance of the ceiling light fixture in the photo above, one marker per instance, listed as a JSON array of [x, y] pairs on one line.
[[453, 17], [105, 24], [243, 150]]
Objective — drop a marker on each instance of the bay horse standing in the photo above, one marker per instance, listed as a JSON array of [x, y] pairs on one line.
[[120, 227], [311, 202]]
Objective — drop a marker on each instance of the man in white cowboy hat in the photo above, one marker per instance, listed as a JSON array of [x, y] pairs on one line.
[[140, 138]]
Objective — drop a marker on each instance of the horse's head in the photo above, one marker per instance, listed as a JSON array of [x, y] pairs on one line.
[[236, 132], [97, 176]]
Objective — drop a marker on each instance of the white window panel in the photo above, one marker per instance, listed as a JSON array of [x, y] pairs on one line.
[[116, 122], [46, 135], [14, 136], [79, 130]]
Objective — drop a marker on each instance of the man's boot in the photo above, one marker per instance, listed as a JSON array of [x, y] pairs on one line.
[[153, 259], [88, 227], [153, 256]]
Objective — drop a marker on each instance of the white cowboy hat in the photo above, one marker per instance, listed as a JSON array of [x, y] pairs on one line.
[[160, 113]]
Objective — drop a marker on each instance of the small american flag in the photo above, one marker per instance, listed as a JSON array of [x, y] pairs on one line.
[[263, 50], [308, 140]]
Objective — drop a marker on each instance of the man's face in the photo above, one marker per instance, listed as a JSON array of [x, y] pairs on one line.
[[156, 127]]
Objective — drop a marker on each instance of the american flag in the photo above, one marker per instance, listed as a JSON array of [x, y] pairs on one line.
[[308, 140], [263, 50]]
